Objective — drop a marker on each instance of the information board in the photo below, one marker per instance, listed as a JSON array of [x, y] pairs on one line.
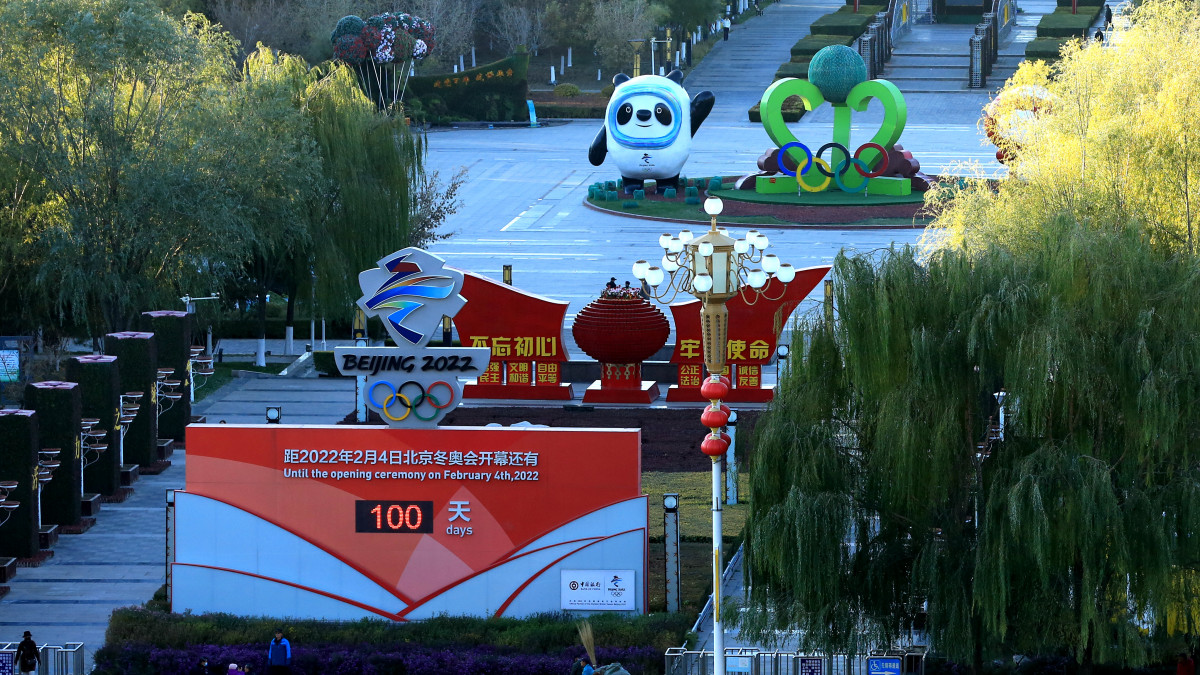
[[7, 660], [811, 665], [10, 366], [883, 665]]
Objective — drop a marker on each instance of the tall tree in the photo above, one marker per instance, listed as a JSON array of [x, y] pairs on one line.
[[99, 109], [880, 487], [615, 22], [1106, 141]]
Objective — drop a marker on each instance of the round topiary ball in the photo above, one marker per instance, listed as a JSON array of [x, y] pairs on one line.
[[835, 70], [347, 25]]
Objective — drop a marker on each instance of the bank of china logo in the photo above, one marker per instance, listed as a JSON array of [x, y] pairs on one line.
[[574, 585], [411, 384], [403, 288]]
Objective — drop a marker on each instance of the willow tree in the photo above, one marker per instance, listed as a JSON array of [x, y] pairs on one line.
[[880, 491]]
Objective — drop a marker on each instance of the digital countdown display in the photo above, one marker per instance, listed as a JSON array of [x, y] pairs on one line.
[[294, 521], [399, 517]]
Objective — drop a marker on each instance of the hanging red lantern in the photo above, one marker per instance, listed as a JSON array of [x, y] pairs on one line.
[[714, 389], [713, 446], [714, 418], [725, 437]]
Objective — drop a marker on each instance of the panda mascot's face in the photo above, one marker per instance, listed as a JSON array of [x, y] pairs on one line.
[[649, 127]]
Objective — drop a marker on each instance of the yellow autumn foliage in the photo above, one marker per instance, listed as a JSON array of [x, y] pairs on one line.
[[1118, 143]]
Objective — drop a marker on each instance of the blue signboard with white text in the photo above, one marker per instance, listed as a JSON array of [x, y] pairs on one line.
[[6, 663], [883, 665]]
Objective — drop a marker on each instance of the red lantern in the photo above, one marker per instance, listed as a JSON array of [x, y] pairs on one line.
[[713, 446], [712, 389], [725, 409], [714, 418], [725, 437]]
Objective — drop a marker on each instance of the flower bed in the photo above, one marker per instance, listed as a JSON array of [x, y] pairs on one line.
[[148, 641]]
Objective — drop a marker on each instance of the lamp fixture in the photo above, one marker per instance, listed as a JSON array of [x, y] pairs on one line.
[[274, 414]]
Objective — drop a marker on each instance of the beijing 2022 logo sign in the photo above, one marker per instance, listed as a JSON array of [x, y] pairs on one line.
[[412, 384]]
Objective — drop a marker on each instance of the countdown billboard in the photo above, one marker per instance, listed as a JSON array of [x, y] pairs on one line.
[[345, 522]]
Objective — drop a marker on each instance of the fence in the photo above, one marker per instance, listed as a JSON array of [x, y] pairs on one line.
[[66, 659], [985, 47], [680, 661]]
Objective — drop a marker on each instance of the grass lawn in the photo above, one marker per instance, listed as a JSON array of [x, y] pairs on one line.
[[223, 374], [695, 523]]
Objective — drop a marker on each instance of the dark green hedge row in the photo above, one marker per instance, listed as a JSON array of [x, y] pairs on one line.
[[811, 44], [1063, 24], [845, 22], [100, 398], [58, 412], [536, 634], [793, 110], [1046, 49], [494, 98], [551, 111], [793, 69]]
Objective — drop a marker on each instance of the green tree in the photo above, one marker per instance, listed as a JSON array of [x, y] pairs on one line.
[[615, 22], [880, 487], [100, 109], [1109, 144]]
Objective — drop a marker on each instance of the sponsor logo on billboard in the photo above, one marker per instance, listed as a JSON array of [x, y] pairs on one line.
[[597, 590]]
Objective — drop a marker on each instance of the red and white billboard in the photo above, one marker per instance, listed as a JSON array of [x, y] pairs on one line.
[[344, 522]]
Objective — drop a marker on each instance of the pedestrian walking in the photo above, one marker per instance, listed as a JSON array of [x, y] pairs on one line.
[[27, 654], [201, 667], [725, 25], [279, 654], [1107, 17], [757, 8], [233, 670], [577, 667], [1099, 36]]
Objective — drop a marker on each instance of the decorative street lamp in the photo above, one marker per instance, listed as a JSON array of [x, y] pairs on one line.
[[714, 267]]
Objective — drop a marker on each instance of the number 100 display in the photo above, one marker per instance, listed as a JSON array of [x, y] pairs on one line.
[[400, 517]]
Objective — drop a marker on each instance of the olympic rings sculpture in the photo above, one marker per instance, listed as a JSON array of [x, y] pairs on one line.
[[823, 168], [410, 404]]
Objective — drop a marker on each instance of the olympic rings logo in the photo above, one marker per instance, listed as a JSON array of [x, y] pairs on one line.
[[843, 167], [410, 404]]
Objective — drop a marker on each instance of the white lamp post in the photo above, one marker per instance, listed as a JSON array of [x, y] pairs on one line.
[[714, 267]]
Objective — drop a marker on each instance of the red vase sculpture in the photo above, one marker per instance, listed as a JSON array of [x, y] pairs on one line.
[[620, 333]]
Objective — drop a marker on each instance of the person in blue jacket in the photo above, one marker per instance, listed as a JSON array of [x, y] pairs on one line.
[[279, 655]]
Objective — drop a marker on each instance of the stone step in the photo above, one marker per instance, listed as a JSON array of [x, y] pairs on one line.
[[930, 86]]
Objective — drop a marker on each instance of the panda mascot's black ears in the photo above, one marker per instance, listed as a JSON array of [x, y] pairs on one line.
[[676, 76], [619, 79]]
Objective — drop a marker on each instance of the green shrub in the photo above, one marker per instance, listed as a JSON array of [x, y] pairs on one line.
[[669, 193], [1063, 24], [572, 110], [793, 69], [607, 91], [845, 22], [1046, 49], [793, 109], [629, 204], [324, 363], [540, 633], [639, 194], [811, 44], [566, 90]]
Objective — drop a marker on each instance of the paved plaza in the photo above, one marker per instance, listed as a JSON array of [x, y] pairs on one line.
[[522, 205]]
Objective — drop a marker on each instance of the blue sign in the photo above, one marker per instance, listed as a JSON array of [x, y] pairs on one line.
[[812, 666], [883, 665], [6, 663]]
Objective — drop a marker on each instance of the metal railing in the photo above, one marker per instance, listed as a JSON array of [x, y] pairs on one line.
[[985, 47], [680, 661], [66, 659]]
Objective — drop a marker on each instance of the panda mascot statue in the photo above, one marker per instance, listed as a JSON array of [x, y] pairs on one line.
[[648, 128]]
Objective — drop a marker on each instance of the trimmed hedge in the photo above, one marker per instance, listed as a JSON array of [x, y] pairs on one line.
[[1063, 24], [148, 641], [845, 22], [173, 339], [137, 365], [793, 109], [555, 110], [395, 659], [793, 69], [806, 47], [472, 94], [1046, 49]]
